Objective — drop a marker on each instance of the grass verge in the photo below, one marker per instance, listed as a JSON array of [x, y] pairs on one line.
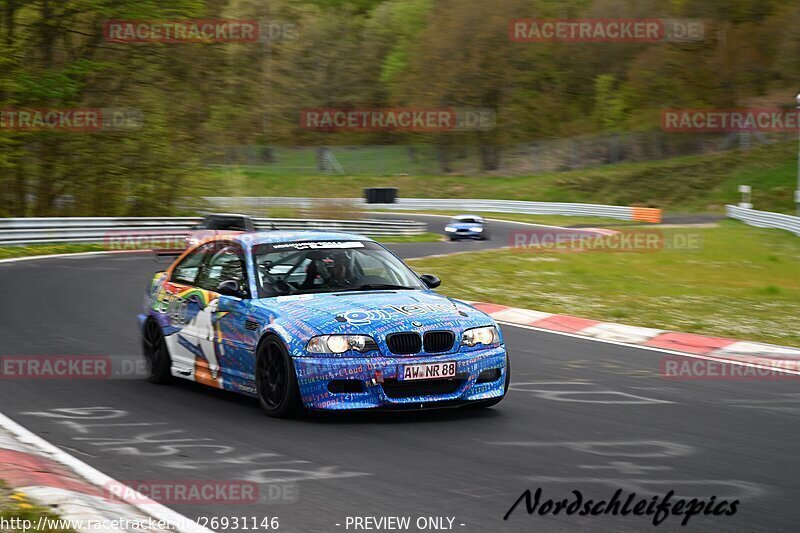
[[10, 252], [691, 184], [425, 237], [23, 515], [742, 282], [547, 220]]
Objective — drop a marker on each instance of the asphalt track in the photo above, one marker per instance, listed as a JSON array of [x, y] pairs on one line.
[[581, 415]]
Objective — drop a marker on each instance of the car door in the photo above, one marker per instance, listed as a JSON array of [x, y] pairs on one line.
[[183, 300], [224, 331]]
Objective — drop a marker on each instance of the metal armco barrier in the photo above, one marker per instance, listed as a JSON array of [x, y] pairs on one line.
[[454, 204], [116, 230], [764, 219]]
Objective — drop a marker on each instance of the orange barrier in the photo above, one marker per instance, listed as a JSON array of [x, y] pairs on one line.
[[647, 214]]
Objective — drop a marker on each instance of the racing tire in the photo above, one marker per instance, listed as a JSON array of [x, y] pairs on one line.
[[156, 354], [483, 404], [276, 381]]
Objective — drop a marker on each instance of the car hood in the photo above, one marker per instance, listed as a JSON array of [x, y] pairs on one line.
[[465, 225], [372, 312]]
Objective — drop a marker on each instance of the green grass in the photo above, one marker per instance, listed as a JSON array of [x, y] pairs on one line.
[[425, 237], [16, 508], [743, 283], [547, 220], [686, 184], [10, 252]]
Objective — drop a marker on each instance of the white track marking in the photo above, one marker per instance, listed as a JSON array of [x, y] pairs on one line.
[[77, 254], [157, 511]]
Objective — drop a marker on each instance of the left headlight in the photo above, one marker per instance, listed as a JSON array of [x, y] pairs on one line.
[[477, 229], [341, 344], [487, 335], [449, 228]]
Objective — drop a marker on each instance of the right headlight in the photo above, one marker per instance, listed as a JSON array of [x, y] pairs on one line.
[[449, 228], [341, 343], [488, 336]]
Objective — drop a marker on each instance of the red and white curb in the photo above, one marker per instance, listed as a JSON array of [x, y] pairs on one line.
[[716, 348], [74, 490]]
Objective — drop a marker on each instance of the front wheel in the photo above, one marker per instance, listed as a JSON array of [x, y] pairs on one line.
[[276, 382]]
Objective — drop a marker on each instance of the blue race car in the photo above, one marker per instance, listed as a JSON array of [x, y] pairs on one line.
[[318, 321], [467, 227]]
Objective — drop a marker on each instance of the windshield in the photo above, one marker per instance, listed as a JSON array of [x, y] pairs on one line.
[[220, 223], [466, 220], [329, 266]]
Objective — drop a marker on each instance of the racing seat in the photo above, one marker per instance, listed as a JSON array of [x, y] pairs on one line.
[[311, 275]]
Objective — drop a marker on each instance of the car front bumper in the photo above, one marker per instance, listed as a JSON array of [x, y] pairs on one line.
[[371, 382], [466, 235]]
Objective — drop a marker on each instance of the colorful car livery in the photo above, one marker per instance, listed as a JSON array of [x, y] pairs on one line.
[[318, 321]]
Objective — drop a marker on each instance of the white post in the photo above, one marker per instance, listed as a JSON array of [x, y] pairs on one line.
[[745, 203]]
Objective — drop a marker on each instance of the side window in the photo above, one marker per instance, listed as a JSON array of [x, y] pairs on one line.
[[371, 266], [375, 268], [187, 270], [232, 224], [224, 264]]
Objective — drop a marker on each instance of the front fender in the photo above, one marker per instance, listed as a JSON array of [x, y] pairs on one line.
[[294, 336]]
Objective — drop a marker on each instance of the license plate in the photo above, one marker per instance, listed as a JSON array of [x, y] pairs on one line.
[[445, 369]]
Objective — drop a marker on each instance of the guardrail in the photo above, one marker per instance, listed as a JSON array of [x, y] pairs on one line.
[[118, 231], [764, 219], [451, 204]]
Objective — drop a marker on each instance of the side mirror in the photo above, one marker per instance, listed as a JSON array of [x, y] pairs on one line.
[[231, 287], [430, 280]]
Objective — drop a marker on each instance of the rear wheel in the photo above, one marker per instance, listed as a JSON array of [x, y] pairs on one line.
[[156, 355], [276, 381]]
